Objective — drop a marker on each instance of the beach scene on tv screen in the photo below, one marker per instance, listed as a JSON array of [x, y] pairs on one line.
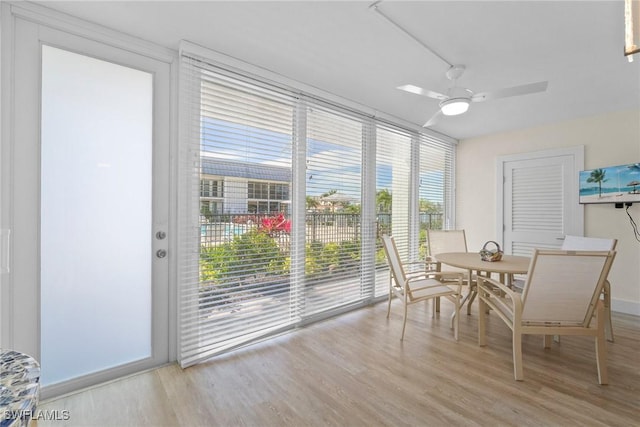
[[615, 184]]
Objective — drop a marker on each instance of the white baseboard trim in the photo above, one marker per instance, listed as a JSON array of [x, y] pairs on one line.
[[625, 306]]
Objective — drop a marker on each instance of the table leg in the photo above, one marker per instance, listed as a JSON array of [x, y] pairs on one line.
[[475, 292], [470, 296]]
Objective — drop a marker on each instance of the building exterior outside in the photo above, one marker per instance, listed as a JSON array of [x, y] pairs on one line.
[[228, 187]]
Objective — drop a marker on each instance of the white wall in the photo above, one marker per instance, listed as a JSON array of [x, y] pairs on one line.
[[609, 140]]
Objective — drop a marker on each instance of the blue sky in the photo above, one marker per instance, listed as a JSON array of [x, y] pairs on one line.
[[333, 166]]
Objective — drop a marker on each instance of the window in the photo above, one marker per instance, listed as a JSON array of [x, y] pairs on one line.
[[211, 200], [393, 195], [279, 192], [235, 277], [258, 190], [209, 208], [334, 163], [309, 186], [210, 188], [267, 197], [435, 188]]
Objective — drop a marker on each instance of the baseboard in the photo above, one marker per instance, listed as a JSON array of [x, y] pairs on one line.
[[624, 306]]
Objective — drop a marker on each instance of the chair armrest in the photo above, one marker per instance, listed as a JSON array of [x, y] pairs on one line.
[[419, 273], [510, 311], [434, 275], [451, 275], [432, 264], [447, 274], [504, 288]]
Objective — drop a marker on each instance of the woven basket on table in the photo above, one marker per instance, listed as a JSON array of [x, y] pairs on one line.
[[491, 255]]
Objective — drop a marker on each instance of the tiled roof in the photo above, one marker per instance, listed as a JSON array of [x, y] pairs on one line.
[[244, 170]]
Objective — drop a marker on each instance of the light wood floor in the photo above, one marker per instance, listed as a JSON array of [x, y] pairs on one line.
[[353, 370]]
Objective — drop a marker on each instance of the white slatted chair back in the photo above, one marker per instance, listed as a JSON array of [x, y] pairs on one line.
[[441, 241], [579, 243], [563, 287], [393, 257]]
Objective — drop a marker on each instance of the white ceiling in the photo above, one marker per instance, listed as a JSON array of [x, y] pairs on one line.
[[349, 50]]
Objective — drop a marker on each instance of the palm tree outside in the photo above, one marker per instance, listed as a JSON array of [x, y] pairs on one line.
[[312, 203], [384, 201], [598, 176]]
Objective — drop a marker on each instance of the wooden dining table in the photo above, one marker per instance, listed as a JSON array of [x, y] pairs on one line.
[[471, 261]]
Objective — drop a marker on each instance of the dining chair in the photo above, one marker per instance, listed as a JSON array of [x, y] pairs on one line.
[[579, 243], [560, 296], [441, 241], [418, 286]]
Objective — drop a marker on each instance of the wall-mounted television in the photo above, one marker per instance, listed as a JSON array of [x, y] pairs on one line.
[[614, 184]]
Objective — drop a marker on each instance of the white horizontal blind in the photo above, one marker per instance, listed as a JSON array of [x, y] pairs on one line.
[[238, 156], [334, 184], [435, 187], [393, 178], [247, 266]]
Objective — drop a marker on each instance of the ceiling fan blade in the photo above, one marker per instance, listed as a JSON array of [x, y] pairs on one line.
[[510, 91], [424, 92], [433, 120]]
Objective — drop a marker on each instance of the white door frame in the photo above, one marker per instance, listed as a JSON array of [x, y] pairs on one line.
[[19, 323], [578, 210]]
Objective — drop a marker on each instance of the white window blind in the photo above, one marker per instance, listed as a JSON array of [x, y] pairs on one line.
[[333, 270], [435, 187], [393, 177], [239, 288], [278, 206]]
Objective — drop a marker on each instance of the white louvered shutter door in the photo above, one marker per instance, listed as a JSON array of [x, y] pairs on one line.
[[536, 214]]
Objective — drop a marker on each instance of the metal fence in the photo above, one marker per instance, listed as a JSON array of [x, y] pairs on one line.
[[320, 227]]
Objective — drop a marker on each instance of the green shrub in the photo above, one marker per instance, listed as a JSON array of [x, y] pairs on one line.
[[255, 255], [215, 262], [250, 255]]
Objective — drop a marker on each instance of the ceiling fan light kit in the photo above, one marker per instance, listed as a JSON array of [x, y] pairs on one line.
[[454, 106], [457, 99]]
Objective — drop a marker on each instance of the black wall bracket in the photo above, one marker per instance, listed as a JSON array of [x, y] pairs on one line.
[[621, 205]]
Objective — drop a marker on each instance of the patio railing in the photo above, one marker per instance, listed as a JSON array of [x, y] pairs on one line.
[[320, 227]]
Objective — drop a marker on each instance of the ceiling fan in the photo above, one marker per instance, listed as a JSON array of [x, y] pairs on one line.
[[457, 99]]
